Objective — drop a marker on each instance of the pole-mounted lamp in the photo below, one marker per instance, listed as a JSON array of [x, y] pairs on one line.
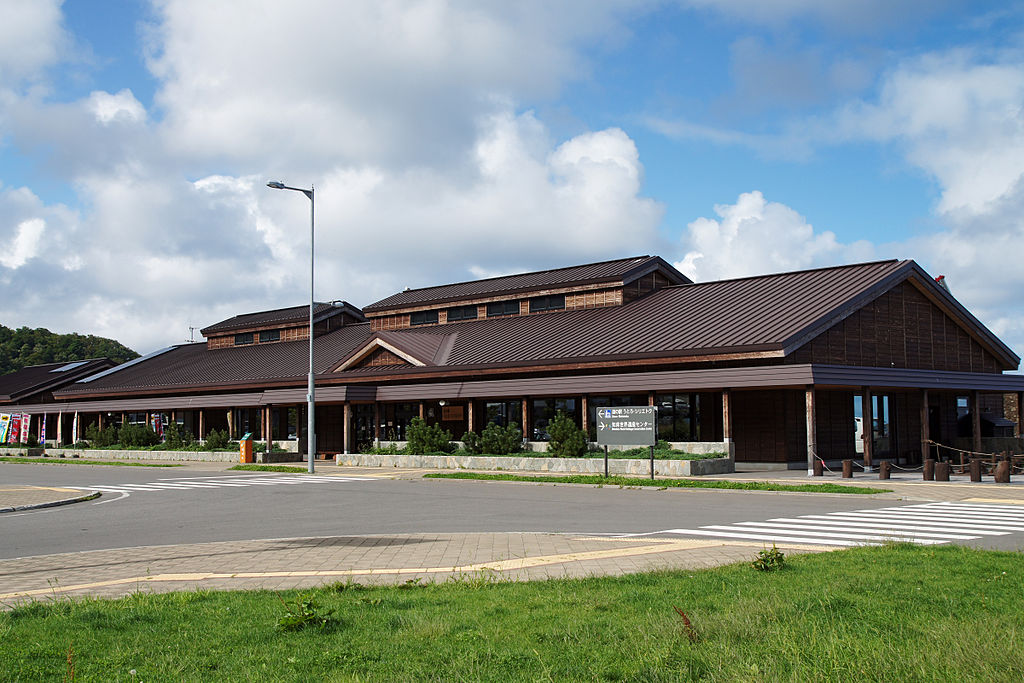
[[311, 436]]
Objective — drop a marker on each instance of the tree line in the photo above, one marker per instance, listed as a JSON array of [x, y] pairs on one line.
[[26, 346]]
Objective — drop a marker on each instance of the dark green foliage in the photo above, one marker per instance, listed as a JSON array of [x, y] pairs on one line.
[[177, 437], [424, 438], [136, 436], [101, 438], [216, 439], [567, 440], [472, 443], [769, 560], [502, 440], [25, 346], [304, 613]]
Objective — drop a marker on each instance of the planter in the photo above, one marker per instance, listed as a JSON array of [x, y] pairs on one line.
[[514, 463]]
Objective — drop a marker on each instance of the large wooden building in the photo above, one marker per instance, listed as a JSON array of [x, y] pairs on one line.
[[872, 360]]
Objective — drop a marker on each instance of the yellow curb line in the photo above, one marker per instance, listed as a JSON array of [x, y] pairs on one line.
[[992, 500], [42, 488], [497, 566]]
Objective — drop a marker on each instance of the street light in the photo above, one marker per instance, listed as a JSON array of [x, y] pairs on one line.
[[311, 436]]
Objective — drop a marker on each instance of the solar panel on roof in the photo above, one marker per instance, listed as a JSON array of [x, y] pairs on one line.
[[70, 366]]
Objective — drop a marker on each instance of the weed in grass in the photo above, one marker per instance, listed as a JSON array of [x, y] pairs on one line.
[[304, 613], [691, 633], [769, 560], [411, 583], [69, 670], [342, 586]]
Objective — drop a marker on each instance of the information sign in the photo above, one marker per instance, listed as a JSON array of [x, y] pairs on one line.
[[627, 426]]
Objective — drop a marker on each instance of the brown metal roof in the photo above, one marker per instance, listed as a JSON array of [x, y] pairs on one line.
[[620, 270], [35, 379], [753, 314], [196, 365], [282, 316]]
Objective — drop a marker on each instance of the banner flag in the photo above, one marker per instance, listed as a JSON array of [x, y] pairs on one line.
[[74, 429], [14, 431], [26, 426], [42, 429], [5, 423], [60, 429]]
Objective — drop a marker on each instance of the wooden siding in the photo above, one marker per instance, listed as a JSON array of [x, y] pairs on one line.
[[769, 426], [288, 334], [381, 357], [900, 329]]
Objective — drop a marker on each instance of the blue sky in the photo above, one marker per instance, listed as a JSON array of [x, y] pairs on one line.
[[451, 140]]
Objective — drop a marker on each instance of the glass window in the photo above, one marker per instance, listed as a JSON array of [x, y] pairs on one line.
[[461, 313], [423, 318], [543, 410], [270, 336], [552, 302], [678, 417], [503, 413], [241, 339], [595, 402], [395, 419], [502, 308]]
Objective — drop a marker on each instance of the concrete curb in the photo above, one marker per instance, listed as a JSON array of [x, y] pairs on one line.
[[53, 503]]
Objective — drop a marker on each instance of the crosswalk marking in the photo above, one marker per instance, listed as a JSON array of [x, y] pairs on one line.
[[923, 524], [217, 482]]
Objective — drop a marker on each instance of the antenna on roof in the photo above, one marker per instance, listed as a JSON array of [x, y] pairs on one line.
[[191, 335], [941, 282]]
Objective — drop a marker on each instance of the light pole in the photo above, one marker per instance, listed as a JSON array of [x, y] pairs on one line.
[[311, 435]]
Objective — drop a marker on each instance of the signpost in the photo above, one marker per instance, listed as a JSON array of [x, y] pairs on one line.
[[627, 426]]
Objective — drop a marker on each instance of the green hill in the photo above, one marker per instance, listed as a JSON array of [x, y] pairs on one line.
[[25, 346]]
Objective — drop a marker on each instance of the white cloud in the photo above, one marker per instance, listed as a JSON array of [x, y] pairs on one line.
[[31, 38], [755, 236], [109, 108], [25, 244]]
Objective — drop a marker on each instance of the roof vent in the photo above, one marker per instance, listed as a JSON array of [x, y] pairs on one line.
[[941, 282], [70, 366]]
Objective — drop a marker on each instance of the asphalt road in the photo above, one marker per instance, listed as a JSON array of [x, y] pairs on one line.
[[230, 506]]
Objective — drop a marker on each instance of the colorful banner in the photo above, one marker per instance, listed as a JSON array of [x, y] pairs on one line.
[[42, 429], [158, 424], [26, 426], [14, 430], [74, 429], [5, 425], [60, 429]]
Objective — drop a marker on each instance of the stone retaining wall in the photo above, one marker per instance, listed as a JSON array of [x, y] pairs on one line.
[[513, 463]]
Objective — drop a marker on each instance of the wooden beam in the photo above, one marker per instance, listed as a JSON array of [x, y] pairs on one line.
[[585, 415], [867, 425], [376, 423], [423, 410], [347, 431], [925, 434], [1020, 414], [812, 430], [469, 415], [526, 424], [202, 426]]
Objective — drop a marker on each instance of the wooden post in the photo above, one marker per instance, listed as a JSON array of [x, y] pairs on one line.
[[202, 426], [231, 425], [812, 432], [650, 398], [727, 424], [847, 469], [925, 435], [867, 425], [423, 411], [526, 425], [99, 421], [347, 431], [976, 421], [585, 415], [469, 415]]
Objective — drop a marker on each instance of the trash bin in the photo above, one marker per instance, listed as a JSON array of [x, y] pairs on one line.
[[245, 449]]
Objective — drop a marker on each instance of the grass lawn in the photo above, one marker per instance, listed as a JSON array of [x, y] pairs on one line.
[[42, 460], [269, 468], [894, 613], [599, 480]]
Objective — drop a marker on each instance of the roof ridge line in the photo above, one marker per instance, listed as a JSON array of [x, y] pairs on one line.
[[790, 272]]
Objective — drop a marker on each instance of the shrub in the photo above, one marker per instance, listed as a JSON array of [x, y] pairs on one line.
[[472, 443], [33, 441], [567, 440], [216, 439], [136, 436], [501, 440], [769, 560], [424, 438]]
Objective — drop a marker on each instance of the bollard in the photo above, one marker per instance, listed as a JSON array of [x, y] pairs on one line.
[[1002, 473], [847, 469], [883, 469], [942, 471], [929, 470], [818, 471], [975, 468]]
